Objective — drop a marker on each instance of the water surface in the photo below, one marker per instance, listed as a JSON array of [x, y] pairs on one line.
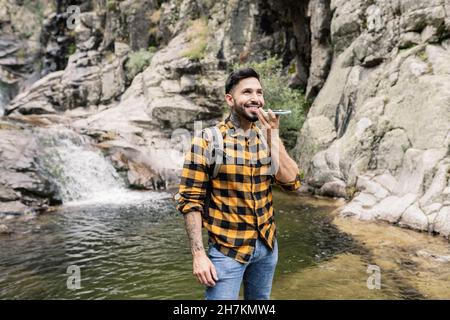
[[140, 251]]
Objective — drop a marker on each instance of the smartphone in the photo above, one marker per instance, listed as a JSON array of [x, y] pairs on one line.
[[281, 112]]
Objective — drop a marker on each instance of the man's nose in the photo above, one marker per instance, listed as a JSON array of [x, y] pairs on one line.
[[254, 97]]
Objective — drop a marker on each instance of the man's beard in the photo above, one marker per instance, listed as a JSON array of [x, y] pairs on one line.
[[244, 111]]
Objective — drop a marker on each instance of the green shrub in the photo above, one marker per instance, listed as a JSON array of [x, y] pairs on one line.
[[197, 35], [71, 48], [278, 95], [111, 5], [137, 61]]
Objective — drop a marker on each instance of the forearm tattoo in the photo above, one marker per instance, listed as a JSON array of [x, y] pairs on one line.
[[193, 224]]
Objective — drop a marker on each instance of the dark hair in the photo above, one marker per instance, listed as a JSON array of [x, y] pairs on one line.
[[238, 75]]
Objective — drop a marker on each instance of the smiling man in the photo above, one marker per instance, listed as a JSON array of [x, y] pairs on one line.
[[235, 205]]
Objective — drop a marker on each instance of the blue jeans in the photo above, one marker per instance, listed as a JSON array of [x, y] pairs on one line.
[[257, 275]]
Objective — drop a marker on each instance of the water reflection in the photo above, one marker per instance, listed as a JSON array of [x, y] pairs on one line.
[[141, 252]]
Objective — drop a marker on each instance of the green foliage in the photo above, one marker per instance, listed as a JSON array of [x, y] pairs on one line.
[[351, 191], [278, 95], [111, 5], [152, 49], [71, 49], [422, 56], [197, 35], [37, 7], [137, 61]]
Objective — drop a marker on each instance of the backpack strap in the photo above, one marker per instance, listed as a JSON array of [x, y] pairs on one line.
[[263, 139], [214, 159], [215, 150]]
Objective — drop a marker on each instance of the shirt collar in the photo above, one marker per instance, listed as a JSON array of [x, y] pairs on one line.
[[234, 132]]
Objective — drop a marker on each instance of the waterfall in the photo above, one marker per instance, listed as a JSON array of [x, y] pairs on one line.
[[79, 170], [3, 99]]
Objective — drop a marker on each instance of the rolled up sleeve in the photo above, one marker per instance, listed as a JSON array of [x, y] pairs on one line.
[[289, 186], [194, 178]]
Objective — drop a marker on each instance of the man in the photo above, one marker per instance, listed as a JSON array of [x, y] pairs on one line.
[[239, 215]]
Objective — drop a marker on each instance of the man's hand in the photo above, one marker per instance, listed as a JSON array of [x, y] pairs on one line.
[[270, 123], [204, 269], [268, 119], [285, 166]]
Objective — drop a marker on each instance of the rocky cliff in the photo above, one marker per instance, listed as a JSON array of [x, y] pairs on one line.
[[379, 130], [129, 74]]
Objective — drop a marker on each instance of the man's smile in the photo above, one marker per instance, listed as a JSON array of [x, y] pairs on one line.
[[252, 107]]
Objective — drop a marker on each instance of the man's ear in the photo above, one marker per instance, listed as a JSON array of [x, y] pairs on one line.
[[229, 99]]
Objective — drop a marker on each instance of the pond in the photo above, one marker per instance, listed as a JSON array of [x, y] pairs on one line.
[[140, 251]]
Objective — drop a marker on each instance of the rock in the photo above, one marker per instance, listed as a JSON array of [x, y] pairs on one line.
[[371, 187], [321, 52], [121, 49], [442, 221], [8, 194], [21, 182], [409, 39], [366, 200], [4, 229], [320, 132], [30, 182], [434, 207], [187, 84], [13, 208], [171, 86], [140, 176], [437, 186], [394, 143], [387, 181], [35, 100], [383, 90], [417, 164], [392, 207], [352, 209], [86, 81], [414, 218], [17, 150], [333, 189], [36, 107], [433, 256], [19, 46]]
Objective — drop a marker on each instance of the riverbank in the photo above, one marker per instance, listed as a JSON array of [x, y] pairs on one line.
[[418, 260], [412, 264]]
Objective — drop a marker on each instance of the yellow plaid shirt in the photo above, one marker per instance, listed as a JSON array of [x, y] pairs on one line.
[[240, 207]]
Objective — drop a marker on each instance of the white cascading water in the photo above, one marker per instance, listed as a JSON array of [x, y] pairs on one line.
[[81, 172], [3, 100]]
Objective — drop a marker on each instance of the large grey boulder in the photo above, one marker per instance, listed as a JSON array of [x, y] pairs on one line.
[[23, 187], [380, 126]]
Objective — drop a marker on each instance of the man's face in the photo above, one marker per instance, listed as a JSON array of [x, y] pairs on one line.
[[246, 98]]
